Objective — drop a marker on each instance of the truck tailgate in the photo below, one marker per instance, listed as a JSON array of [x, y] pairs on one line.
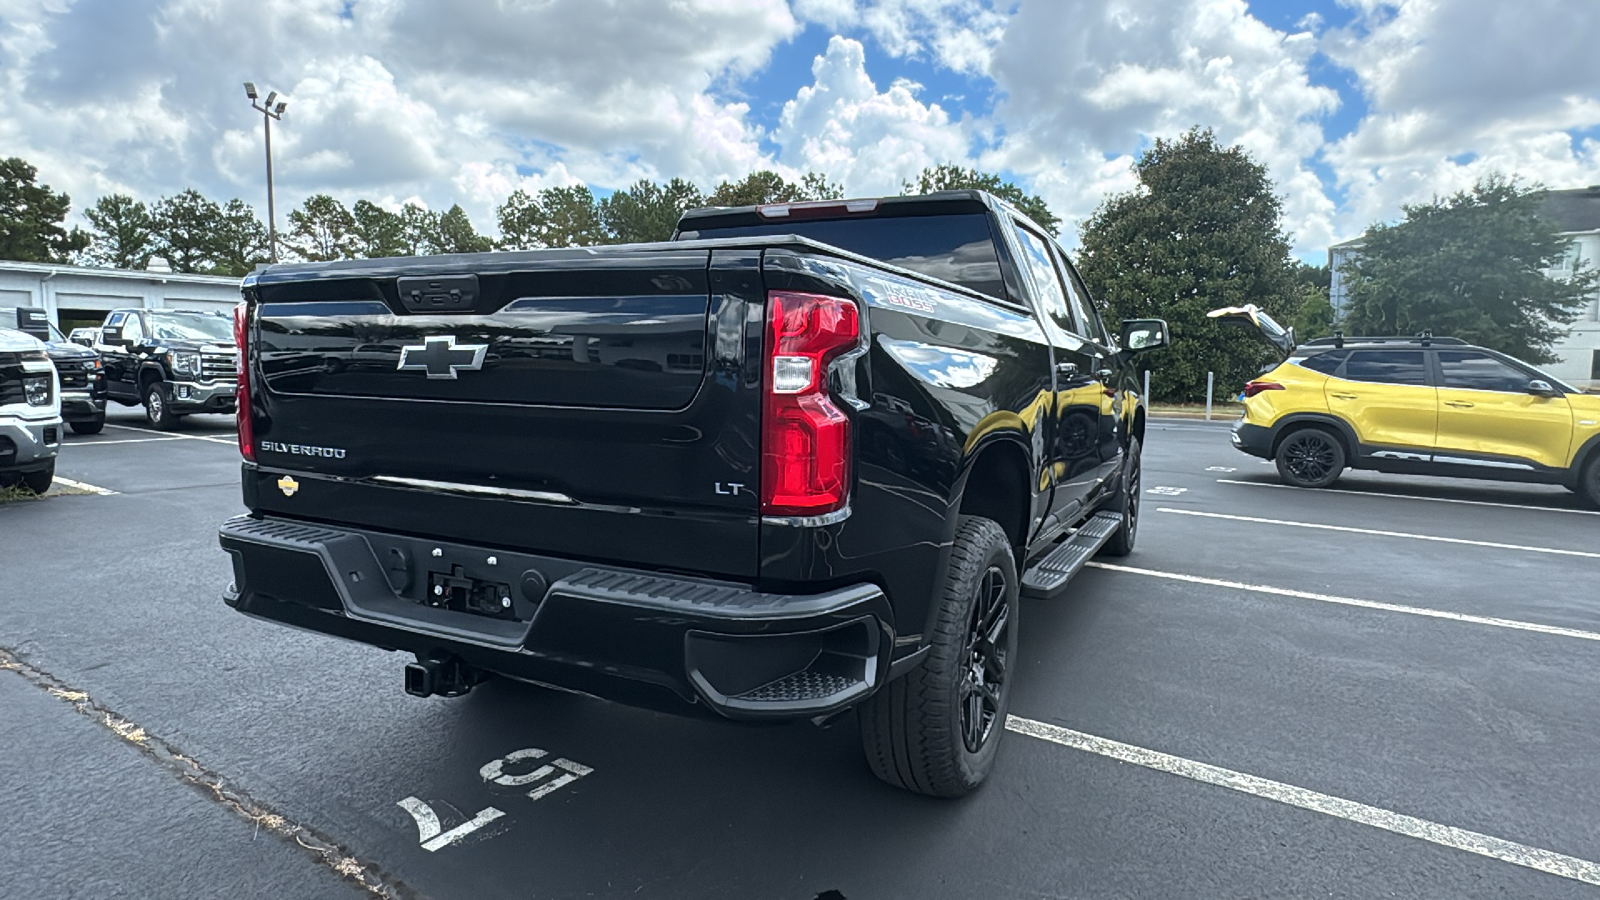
[[594, 404]]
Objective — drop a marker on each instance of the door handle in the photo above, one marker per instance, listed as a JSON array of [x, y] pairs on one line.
[[1347, 396], [1458, 404]]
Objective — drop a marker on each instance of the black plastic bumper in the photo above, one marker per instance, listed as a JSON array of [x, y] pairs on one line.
[[661, 641], [82, 407], [1255, 440]]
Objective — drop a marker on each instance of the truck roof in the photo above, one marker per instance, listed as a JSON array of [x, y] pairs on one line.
[[937, 203]]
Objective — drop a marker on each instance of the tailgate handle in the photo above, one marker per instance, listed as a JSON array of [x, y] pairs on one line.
[[438, 293]]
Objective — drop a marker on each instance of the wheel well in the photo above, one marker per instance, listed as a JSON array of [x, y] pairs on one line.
[[146, 378], [1138, 425], [1301, 425], [997, 489]]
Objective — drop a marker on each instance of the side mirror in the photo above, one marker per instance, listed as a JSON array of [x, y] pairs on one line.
[[1541, 388], [1141, 335], [111, 336]]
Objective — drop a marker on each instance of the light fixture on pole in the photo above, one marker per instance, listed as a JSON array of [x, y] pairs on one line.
[[270, 109]]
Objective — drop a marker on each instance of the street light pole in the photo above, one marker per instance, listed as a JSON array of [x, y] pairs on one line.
[[268, 111]]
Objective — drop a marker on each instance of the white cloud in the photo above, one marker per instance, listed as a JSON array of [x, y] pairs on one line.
[[1459, 90], [957, 34], [869, 141]]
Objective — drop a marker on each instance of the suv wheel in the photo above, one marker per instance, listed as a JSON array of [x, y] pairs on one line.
[[40, 481], [1310, 457], [1589, 480], [1126, 503], [157, 409], [93, 426], [936, 730]]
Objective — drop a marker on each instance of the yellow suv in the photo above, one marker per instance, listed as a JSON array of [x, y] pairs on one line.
[[1414, 405]]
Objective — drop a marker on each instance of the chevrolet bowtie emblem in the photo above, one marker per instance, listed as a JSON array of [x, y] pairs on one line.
[[441, 358]]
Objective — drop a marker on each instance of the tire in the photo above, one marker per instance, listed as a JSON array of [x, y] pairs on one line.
[[93, 426], [1127, 505], [936, 730], [156, 408], [1589, 481], [1310, 457], [40, 481]]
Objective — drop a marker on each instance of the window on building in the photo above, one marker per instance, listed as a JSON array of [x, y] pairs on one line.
[[1387, 367], [1594, 366]]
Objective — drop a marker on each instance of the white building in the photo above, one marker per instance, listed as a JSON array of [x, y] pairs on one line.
[[78, 296], [1577, 212]]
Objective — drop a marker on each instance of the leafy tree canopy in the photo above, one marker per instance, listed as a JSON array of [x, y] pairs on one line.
[[453, 233], [555, 217], [767, 186], [647, 211], [376, 231], [1471, 266], [1200, 231], [322, 229], [31, 217], [121, 233], [949, 177]]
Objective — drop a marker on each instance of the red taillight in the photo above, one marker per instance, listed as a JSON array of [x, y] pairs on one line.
[[805, 438], [241, 339], [1256, 387]]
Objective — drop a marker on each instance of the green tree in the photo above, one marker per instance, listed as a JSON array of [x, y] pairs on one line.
[[121, 235], [377, 232], [647, 211], [949, 177], [1470, 266], [31, 217], [419, 228], [1200, 231], [555, 217], [1314, 311], [766, 186], [322, 229], [453, 233], [195, 234]]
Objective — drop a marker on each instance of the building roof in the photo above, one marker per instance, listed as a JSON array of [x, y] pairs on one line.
[[1576, 210], [135, 274]]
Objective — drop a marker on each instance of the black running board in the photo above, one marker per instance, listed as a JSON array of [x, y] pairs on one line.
[[1049, 576]]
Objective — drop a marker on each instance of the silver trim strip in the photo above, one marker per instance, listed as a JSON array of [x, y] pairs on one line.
[[1490, 463], [833, 518], [1397, 454], [456, 487]]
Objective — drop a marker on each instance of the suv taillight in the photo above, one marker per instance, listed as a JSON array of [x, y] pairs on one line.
[[1256, 387], [805, 438], [241, 400]]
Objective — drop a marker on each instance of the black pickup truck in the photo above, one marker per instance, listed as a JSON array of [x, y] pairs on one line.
[[801, 460], [172, 362]]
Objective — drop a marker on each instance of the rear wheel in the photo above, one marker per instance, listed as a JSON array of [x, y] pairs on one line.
[[93, 426], [1589, 480], [40, 481], [1127, 504], [1310, 457], [157, 409], [936, 730]]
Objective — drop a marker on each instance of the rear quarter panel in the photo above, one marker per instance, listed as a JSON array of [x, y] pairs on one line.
[[945, 376], [1302, 393]]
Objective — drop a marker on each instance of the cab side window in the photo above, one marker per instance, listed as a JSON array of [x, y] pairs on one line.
[[133, 329], [1386, 367], [1470, 370], [1326, 363], [1078, 298], [1042, 271]]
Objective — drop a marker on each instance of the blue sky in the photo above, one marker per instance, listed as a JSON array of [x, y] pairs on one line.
[[1354, 106]]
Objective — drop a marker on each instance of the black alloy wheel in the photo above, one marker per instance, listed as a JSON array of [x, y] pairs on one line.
[[1126, 503], [985, 675], [1310, 457]]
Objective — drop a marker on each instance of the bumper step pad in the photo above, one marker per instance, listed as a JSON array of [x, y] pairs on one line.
[[1049, 576]]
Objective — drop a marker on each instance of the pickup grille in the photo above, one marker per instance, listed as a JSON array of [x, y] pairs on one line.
[[218, 366], [75, 375]]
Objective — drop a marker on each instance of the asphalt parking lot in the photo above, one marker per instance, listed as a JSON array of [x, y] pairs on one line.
[[1386, 689]]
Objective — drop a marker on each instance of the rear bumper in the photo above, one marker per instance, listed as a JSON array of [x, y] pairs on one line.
[[82, 406], [1255, 440], [28, 445], [660, 641]]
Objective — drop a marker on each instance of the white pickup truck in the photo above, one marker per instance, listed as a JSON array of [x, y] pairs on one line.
[[30, 413]]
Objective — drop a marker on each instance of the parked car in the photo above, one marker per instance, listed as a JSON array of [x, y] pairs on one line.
[[641, 472], [172, 362], [30, 413], [83, 386], [1420, 405]]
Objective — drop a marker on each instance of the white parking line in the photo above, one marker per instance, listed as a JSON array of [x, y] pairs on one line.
[[126, 441], [79, 485], [179, 437], [1346, 493], [1352, 601], [1379, 533], [1434, 833]]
